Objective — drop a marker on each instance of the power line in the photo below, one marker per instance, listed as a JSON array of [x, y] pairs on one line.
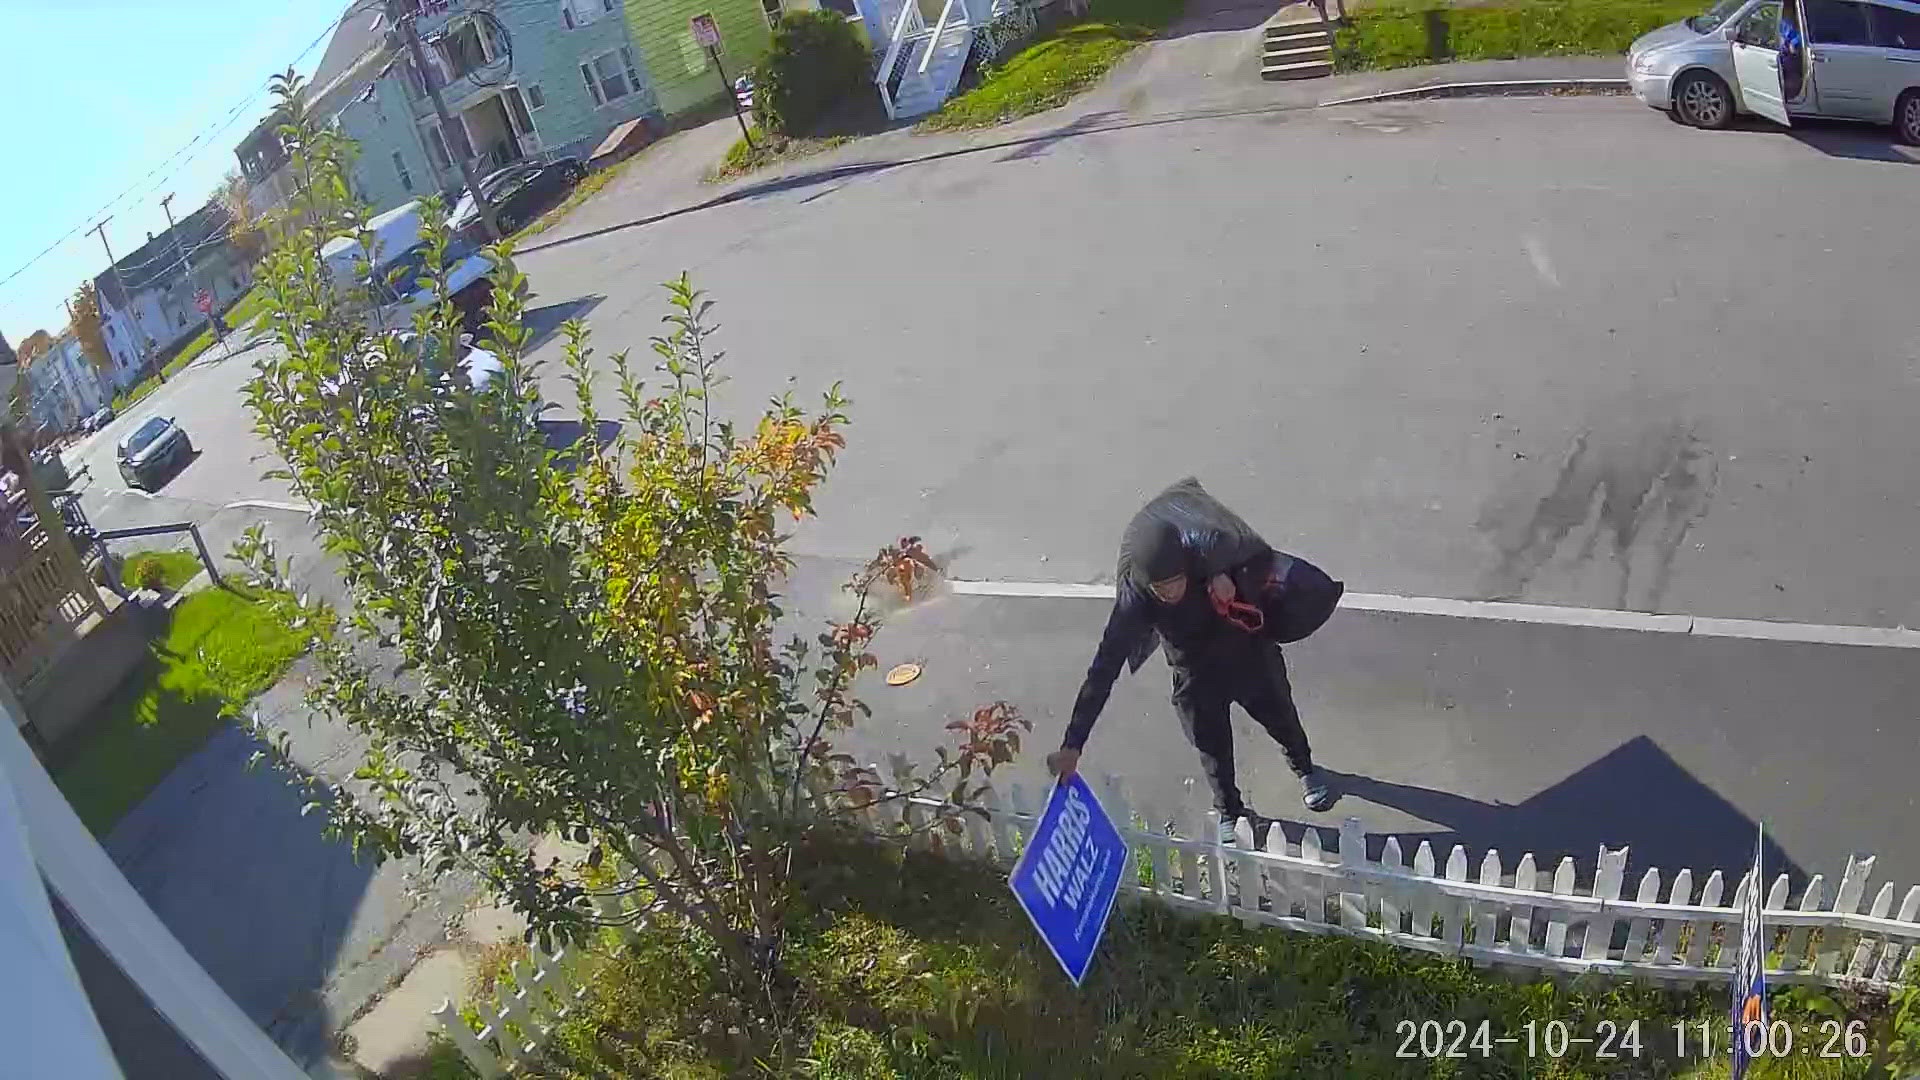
[[357, 8]]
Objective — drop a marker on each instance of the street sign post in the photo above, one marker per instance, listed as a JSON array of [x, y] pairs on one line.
[[706, 34], [1069, 874]]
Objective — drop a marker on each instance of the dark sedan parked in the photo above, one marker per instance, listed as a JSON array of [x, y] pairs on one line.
[[519, 194], [156, 449]]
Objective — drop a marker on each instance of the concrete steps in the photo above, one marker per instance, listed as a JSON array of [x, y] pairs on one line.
[[1296, 50]]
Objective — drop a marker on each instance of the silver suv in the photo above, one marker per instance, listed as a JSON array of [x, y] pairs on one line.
[[1864, 64]]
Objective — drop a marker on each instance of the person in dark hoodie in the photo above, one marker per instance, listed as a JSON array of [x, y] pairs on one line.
[[1183, 559]]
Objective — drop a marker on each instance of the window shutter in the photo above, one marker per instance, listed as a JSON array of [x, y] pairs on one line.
[[566, 14], [593, 88]]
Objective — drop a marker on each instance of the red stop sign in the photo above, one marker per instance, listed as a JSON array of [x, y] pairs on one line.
[[204, 301]]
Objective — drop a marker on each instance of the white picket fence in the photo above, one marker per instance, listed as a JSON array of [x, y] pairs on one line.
[[1526, 917]]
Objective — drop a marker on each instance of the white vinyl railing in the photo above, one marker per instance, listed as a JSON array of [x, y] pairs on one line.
[[909, 24], [939, 28], [1526, 917]]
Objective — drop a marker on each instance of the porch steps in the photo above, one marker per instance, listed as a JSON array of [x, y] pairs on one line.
[[1296, 49]]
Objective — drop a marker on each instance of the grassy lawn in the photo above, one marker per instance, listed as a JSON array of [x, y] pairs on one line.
[[581, 192], [1402, 34], [928, 968], [741, 159], [220, 649], [1057, 65], [164, 571], [244, 313]]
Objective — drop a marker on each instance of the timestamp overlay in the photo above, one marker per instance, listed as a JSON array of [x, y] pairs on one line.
[[1629, 1039]]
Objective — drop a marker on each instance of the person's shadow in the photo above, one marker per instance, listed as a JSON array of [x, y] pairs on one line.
[[1635, 796]]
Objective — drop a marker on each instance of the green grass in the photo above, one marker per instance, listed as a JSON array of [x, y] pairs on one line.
[[1403, 34], [928, 968], [244, 313], [581, 192], [741, 159], [168, 569], [1058, 65], [220, 649]]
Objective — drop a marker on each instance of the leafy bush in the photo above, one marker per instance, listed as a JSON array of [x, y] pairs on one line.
[[815, 61], [591, 639]]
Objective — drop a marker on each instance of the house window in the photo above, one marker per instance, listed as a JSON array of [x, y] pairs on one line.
[[536, 98], [577, 13], [611, 76], [771, 9], [400, 166]]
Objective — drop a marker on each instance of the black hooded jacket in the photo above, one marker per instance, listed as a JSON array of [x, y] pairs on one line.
[[1181, 530]]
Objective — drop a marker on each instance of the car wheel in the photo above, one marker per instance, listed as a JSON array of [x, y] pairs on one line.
[[1906, 118], [132, 480], [1702, 100]]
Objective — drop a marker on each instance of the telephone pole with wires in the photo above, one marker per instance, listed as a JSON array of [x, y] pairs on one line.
[[166, 204], [133, 310], [404, 26]]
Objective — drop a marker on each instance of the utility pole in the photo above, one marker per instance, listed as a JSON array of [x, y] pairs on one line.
[[133, 310], [166, 204], [403, 25]]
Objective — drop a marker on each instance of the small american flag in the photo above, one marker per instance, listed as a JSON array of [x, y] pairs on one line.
[[1750, 969]]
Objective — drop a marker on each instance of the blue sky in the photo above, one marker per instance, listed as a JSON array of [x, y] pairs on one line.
[[99, 93]]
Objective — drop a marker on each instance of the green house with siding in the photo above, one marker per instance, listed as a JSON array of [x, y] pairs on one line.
[[680, 70]]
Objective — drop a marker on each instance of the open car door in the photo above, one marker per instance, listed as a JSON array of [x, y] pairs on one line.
[[1770, 59]]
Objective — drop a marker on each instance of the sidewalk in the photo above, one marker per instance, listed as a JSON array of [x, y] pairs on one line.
[[301, 934], [1188, 78]]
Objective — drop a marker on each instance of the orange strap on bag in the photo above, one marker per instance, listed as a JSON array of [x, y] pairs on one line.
[[1240, 613]]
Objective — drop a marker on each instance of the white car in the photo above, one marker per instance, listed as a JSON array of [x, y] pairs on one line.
[[399, 261], [1864, 64]]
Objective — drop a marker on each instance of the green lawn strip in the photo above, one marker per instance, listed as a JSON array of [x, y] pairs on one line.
[[930, 969], [741, 159], [220, 649], [169, 570], [1403, 34], [1059, 64], [581, 192]]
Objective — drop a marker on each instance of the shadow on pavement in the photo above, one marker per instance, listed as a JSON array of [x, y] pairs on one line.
[[1636, 796], [1856, 141], [226, 857], [1211, 16], [543, 323]]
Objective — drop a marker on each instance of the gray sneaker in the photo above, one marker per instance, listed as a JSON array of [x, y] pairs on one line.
[[1230, 829], [1316, 792]]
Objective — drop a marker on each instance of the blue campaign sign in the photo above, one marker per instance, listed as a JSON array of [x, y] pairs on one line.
[[1069, 874]]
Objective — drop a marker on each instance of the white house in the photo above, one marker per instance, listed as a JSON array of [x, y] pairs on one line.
[[64, 387], [147, 298]]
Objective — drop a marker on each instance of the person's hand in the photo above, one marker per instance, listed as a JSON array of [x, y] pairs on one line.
[[1221, 587], [1063, 762]]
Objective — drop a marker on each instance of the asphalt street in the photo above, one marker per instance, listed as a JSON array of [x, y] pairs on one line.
[[1552, 350], [1559, 350]]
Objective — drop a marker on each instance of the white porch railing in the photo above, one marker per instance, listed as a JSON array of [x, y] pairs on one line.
[[908, 27], [1528, 917], [939, 28]]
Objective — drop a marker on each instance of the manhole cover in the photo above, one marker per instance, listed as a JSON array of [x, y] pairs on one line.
[[903, 674]]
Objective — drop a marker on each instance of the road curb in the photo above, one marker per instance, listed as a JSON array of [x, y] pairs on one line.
[[1502, 88]]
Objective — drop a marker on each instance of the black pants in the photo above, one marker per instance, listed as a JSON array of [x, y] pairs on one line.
[[1202, 695]]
